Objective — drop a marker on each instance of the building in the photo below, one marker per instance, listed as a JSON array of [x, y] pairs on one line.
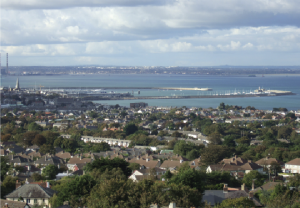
[[138, 105], [292, 166], [32, 194]]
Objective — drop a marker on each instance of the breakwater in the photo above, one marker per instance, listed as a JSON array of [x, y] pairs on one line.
[[131, 88], [186, 97]]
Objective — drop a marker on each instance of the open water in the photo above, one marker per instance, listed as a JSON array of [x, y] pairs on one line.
[[219, 84]]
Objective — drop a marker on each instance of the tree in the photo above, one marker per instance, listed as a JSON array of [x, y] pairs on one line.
[[253, 175], [105, 163], [4, 167], [215, 138], [193, 154], [103, 146], [50, 172], [214, 154], [47, 148], [5, 137], [130, 129], [190, 177], [8, 185], [37, 177], [222, 106], [134, 166], [242, 202], [76, 191], [34, 127], [39, 140]]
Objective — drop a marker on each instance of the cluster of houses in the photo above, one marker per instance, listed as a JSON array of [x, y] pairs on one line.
[[30, 160]]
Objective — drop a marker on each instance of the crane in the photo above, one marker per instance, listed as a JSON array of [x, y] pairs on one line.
[[41, 87]]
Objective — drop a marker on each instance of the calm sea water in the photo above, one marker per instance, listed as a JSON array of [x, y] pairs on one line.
[[219, 84]]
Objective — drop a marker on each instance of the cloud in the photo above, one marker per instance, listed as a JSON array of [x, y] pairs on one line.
[[136, 29], [58, 4]]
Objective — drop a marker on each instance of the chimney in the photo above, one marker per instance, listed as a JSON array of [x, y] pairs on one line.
[[66, 203], [225, 188], [253, 186], [48, 184], [29, 167], [80, 157], [18, 184], [243, 187], [249, 161], [147, 159], [172, 205], [181, 161]]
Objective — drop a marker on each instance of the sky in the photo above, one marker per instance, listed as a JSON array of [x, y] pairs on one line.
[[150, 32]]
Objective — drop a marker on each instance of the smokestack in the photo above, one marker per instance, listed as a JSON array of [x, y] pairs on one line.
[[48, 185]]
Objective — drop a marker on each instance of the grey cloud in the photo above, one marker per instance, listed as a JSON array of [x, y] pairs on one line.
[[58, 4]]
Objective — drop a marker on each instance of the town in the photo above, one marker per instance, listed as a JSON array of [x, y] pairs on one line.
[[64, 152]]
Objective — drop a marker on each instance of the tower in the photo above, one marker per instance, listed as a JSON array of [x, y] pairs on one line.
[[6, 63], [17, 85]]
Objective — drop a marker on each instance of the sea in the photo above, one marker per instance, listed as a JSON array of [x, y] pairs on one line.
[[219, 85]]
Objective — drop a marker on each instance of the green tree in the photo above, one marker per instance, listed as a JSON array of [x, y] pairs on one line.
[[76, 191], [134, 166], [105, 163], [190, 177], [103, 146], [34, 127], [130, 129], [47, 148], [50, 172], [242, 202], [4, 167], [8, 185], [215, 138], [253, 175], [39, 140], [37, 177], [214, 154]]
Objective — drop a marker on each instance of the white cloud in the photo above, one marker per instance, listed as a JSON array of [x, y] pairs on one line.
[[136, 29]]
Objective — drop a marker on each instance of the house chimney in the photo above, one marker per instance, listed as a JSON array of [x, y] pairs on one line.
[[66, 203], [181, 161], [147, 159], [29, 167], [172, 205], [253, 186], [18, 184], [225, 188], [48, 184], [243, 187], [249, 161]]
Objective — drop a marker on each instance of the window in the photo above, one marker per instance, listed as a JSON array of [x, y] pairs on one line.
[[35, 201], [28, 201]]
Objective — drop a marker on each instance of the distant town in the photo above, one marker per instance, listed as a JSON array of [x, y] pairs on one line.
[[250, 71]]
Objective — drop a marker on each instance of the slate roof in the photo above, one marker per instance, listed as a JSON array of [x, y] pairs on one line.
[[31, 191], [267, 186], [19, 159], [50, 160], [76, 160], [213, 196], [147, 164], [294, 162], [268, 161], [12, 204]]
